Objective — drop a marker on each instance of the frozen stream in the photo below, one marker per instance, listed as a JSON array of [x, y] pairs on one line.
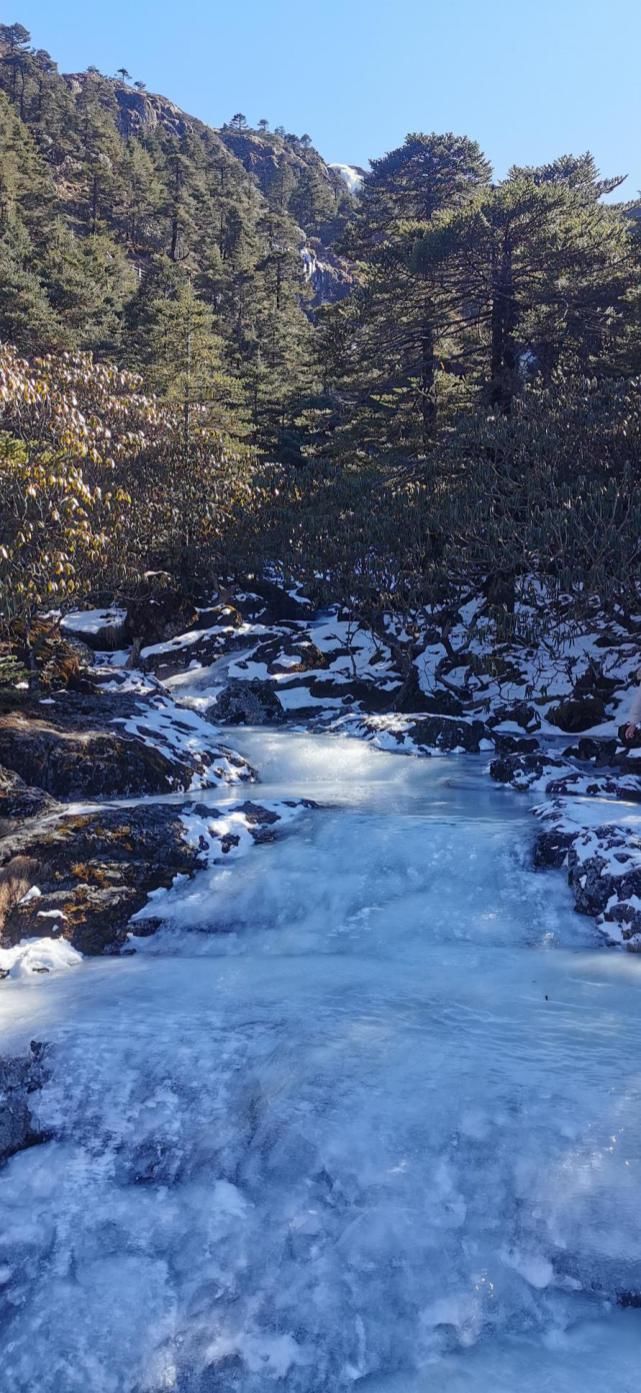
[[381, 1134]]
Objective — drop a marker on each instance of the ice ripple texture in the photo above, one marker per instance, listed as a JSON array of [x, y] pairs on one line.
[[363, 1115]]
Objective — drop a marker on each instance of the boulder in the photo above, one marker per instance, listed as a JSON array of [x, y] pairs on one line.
[[78, 763], [82, 878], [247, 703], [522, 770], [578, 713], [604, 864], [159, 614], [519, 713], [507, 744], [287, 654], [593, 751], [20, 1077], [551, 847], [19, 800], [93, 872], [280, 603], [96, 631], [446, 733]]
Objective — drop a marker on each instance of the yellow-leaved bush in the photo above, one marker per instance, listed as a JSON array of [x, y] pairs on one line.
[[99, 481]]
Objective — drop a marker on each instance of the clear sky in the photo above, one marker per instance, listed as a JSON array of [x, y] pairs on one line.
[[529, 79]]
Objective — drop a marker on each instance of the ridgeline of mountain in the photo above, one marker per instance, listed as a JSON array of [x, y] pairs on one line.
[[127, 224]]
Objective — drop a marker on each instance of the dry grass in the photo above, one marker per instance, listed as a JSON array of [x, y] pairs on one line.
[[15, 880]]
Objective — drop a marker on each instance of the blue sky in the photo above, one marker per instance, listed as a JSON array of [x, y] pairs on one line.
[[529, 79]]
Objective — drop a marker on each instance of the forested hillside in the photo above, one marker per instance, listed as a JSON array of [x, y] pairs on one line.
[[134, 231], [439, 370]]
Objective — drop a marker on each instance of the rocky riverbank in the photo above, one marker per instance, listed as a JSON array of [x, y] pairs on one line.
[[101, 787]]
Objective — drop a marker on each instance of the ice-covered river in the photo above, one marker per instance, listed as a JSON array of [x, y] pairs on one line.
[[381, 1134]]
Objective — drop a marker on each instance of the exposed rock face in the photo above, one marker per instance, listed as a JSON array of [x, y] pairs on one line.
[[590, 750], [140, 112], [19, 800], [551, 848], [248, 703], [114, 744], [20, 1077], [520, 713], [263, 156], [283, 655], [330, 276], [94, 872], [90, 763], [351, 174], [279, 604]]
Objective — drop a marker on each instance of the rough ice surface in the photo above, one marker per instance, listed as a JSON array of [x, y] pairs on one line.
[[382, 1133]]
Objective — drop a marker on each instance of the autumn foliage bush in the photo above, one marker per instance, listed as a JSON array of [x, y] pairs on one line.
[[100, 482]]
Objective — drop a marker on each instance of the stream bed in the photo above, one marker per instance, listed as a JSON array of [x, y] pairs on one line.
[[363, 1114]]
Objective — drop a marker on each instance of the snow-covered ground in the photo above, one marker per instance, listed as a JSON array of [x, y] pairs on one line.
[[383, 1132]]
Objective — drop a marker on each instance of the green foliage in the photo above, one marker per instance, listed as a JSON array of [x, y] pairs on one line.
[[100, 185], [469, 408]]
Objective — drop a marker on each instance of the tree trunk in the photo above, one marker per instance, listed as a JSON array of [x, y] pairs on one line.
[[428, 374], [175, 228], [503, 351]]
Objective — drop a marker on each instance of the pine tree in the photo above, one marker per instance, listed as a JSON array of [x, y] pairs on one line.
[[182, 354], [392, 369], [102, 149], [544, 272], [27, 318]]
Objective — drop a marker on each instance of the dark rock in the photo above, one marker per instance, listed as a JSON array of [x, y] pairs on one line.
[[410, 698], [440, 702], [95, 871], [594, 681], [19, 800], [551, 847], [629, 1300], [276, 652], [628, 917], [578, 713], [584, 785], [591, 750], [520, 713], [159, 615], [448, 734], [514, 744], [85, 763], [591, 878], [279, 604], [20, 1077], [79, 748], [247, 703], [522, 770]]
